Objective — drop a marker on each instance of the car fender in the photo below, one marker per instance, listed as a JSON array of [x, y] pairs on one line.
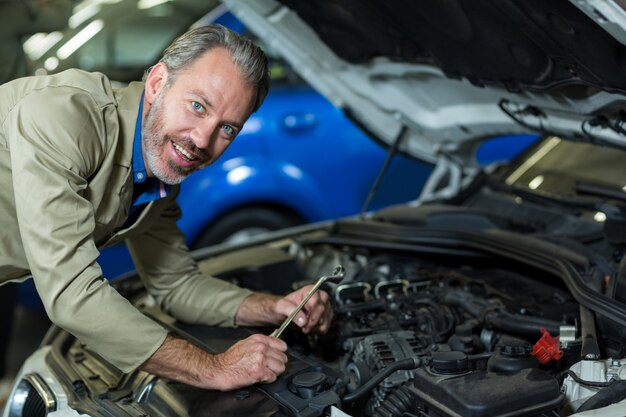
[[244, 181]]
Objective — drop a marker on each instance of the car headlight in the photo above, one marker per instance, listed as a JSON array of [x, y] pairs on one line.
[[31, 398]]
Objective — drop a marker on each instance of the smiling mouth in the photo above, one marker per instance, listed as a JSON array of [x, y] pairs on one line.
[[184, 153]]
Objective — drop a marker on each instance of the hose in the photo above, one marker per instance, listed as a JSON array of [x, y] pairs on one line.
[[502, 320], [404, 364], [581, 381], [396, 403], [518, 324], [611, 394]]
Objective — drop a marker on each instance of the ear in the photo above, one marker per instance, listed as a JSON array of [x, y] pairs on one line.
[[156, 81]]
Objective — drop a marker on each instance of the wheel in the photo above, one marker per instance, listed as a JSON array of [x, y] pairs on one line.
[[240, 225]]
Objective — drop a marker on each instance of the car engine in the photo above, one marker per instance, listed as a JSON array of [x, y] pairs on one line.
[[437, 335]]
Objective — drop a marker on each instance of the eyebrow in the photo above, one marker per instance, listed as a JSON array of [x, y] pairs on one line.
[[208, 103]]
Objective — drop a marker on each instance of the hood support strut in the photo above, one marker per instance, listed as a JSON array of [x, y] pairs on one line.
[[393, 150]]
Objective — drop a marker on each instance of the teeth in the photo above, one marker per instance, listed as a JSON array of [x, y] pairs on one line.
[[184, 152]]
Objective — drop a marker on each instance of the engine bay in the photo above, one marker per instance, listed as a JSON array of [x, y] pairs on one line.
[[436, 334]]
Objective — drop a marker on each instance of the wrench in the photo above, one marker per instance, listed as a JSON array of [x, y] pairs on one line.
[[338, 273]]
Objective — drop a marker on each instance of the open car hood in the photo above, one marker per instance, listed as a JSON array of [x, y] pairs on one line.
[[439, 77]]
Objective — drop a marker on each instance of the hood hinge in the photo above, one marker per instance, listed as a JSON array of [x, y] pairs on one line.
[[447, 180]]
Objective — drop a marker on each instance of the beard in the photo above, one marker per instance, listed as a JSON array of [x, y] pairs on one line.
[[155, 144]]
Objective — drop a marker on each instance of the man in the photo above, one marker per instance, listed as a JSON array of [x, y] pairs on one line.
[[82, 166]]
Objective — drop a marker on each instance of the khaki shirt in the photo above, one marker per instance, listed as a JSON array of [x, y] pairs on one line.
[[65, 191]]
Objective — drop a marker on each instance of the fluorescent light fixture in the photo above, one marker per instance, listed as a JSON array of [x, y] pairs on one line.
[[80, 38], [40, 43], [547, 147], [87, 9], [81, 15]]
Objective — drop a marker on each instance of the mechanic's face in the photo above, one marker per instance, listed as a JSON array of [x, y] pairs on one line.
[[190, 124]]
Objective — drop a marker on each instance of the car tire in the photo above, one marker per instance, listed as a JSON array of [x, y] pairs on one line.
[[244, 223]]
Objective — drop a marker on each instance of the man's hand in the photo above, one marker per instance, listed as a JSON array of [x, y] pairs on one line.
[[257, 359], [265, 309], [316, 314]]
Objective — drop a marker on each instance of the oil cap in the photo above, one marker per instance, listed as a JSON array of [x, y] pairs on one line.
[[308, 384], [449, 363]]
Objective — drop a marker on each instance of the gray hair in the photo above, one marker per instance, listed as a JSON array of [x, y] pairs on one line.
[[248, 57]]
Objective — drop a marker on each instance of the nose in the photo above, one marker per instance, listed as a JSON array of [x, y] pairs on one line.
[[203, 132]]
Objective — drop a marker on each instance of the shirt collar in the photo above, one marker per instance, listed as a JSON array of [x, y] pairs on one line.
[[139, 168]]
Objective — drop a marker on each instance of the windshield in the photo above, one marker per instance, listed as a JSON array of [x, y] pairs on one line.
[[561, 168]]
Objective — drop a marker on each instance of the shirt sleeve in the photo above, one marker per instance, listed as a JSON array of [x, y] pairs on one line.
[[172, 276], [56, 140]]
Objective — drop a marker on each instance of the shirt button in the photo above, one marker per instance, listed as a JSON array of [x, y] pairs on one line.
[[139, 176]]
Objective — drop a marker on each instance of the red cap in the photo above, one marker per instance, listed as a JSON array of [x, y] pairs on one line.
[[547, 348]]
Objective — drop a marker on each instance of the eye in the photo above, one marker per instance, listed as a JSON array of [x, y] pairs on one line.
[[229, 130], [197, 106]]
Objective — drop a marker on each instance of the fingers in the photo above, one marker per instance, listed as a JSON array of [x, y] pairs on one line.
[[267, 358], [272, 342], [257, 359], [324, 322], [316, 315], [317, 311], [275, 365]]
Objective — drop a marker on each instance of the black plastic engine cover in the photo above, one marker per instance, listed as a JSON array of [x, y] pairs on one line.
[[529, 392]]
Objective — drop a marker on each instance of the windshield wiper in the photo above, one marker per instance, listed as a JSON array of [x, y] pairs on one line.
[[599, 190], [554, 200]]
